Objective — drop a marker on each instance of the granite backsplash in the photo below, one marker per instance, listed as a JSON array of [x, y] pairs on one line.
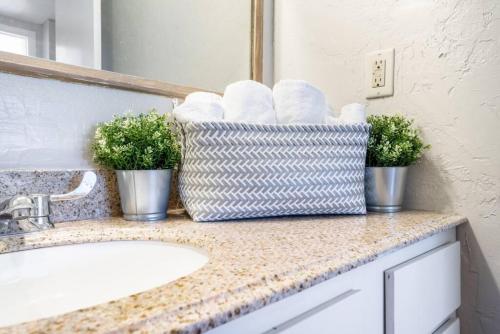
[[103, 200]]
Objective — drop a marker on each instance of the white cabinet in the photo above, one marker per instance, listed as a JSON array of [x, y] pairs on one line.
[[337, 312], [452, 326], [330, 307], [422, 293], [353, 302]]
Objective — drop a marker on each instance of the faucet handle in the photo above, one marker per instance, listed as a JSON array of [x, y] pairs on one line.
[[88, 182]]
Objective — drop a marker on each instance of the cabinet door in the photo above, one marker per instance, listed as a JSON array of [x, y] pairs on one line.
[[338, 315], [422, 293]]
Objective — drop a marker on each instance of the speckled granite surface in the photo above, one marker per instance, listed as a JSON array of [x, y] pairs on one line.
[[103, 201], [252, 264]]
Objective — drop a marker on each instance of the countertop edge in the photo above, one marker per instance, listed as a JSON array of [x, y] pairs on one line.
[[262, 291]]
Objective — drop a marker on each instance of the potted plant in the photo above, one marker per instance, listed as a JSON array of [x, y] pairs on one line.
[[394, 144], [142, 150]]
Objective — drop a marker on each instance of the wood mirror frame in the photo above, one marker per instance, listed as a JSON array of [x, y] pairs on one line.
[[44, 68]]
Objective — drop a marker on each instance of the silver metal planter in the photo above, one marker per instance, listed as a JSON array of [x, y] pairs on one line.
[[384, 188], [144, 193]]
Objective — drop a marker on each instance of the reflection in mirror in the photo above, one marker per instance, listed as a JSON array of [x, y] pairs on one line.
[[197, 43], [27, 27]]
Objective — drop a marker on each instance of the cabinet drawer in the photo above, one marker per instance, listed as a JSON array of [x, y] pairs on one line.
[[337, 315], [452, 326], [422, 293]]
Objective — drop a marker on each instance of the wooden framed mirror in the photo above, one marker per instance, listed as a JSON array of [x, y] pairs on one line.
[[45, 68]]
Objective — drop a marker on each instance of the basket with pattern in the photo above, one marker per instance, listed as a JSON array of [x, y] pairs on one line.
[[235, 170]]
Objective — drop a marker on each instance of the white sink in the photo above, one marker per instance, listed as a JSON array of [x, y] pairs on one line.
[[45, 282]]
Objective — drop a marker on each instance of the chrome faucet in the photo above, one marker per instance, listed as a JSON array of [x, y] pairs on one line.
[[34, 210]]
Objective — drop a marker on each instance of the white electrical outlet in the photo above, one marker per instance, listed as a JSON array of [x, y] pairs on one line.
[[380, 73]]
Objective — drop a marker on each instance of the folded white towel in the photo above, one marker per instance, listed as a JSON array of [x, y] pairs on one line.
[[353, 113], [248, 102], [297, 101], [199, 112], [203, 97]]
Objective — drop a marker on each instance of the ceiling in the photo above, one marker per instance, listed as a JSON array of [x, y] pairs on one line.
[[34, 11]]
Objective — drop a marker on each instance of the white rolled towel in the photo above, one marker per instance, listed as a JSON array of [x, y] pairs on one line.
[[200, 107], [299, 102], [353, 113], [203, 97], [248, 101], [199, 112], [332, 120]]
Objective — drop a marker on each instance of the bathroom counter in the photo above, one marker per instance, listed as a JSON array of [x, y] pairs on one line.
[[251, 264]]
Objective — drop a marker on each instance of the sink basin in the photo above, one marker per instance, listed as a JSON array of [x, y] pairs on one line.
[[45, 282]]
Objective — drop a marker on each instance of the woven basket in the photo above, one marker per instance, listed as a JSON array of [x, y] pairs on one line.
[[234, 170]]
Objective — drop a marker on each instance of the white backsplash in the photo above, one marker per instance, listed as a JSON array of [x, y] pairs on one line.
[[47, 124]]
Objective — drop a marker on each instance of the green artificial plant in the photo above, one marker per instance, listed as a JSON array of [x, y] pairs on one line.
[[143, 142], [393, 142]]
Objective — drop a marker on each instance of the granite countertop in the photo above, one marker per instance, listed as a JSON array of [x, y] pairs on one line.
[[251, 264]]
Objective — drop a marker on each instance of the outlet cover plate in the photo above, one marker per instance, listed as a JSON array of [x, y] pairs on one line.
[[379, 70]]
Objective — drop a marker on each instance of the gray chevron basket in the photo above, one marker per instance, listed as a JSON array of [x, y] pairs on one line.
[[234, 170]]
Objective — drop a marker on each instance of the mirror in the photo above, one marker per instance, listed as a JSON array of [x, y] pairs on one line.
[[197, 43]]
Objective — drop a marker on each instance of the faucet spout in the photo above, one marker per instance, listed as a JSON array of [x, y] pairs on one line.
[[16, 208]]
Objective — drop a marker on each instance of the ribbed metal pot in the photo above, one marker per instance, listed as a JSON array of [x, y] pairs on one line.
[[384, 188], [144, 193]]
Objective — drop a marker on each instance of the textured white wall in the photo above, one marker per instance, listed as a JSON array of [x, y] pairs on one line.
[[47, 124], [447, 77]]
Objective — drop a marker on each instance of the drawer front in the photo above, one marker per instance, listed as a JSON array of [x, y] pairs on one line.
[[452, 326], [337, 315], [422, 293]]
